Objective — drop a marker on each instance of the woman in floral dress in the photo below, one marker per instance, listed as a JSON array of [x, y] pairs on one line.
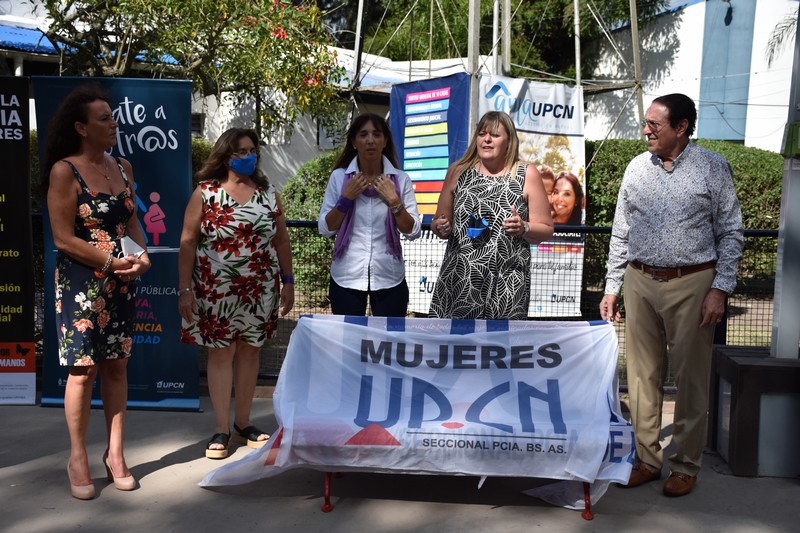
[[235, 260], [91, 205]]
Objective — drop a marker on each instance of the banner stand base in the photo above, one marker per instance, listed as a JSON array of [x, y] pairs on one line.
[[182, 404]]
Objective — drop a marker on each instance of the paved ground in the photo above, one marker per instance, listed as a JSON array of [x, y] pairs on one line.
[[165, 452]]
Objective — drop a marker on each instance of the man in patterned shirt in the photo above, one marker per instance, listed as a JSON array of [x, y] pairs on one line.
[[676, 240]]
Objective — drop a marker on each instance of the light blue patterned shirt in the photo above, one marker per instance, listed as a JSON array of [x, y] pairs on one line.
[[671, 219]]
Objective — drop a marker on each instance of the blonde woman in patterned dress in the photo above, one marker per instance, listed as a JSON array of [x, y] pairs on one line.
[[491, 208], [234, 270], [92, 206]]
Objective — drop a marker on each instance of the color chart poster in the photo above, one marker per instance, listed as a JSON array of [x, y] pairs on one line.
[[430, 124]]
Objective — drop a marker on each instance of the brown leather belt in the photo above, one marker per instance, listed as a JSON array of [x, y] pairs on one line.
[[668, 273]]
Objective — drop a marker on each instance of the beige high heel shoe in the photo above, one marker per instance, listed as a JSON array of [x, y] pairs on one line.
[[121, 483], [81, 492]]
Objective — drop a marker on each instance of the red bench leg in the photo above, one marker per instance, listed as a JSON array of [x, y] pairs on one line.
[[326, 492], [587, 502]]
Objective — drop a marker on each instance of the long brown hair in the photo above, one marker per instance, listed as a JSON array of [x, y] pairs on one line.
[[577, 210], [216, 166], [491, 123], [349, 150]]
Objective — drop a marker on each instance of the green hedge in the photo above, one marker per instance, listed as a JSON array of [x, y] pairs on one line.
[[757, 173], [302, 199], [758, 176], [201, 149]]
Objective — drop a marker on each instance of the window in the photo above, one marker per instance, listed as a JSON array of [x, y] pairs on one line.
[[198, 124]]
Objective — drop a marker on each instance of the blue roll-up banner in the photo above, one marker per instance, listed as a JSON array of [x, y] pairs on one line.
[[154, 118], [429, 120]]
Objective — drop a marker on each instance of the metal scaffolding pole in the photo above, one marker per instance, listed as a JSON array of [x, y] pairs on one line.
[[637, 62], [577, 43], [473, 51]]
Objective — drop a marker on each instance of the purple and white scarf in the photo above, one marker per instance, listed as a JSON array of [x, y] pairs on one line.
[[343, 235]]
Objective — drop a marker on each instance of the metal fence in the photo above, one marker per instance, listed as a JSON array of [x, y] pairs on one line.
[[748, 322]]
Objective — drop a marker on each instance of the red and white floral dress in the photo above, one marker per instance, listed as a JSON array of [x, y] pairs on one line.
[[236, 273]]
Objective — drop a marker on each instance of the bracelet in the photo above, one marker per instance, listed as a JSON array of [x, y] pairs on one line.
[[183, 291], [396, 209], [107, 264], [287, 279], [344, 204], [526, 227]]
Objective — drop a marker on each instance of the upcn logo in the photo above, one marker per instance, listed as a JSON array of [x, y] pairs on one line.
[[176, 386], [524, 110]]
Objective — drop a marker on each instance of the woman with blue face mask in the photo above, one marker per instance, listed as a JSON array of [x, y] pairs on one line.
[[234, 273]]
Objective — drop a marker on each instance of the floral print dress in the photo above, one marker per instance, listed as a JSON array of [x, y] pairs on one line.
[[235, 278], [95, 313]]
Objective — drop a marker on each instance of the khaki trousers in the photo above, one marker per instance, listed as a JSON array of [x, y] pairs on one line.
[[662, 321]]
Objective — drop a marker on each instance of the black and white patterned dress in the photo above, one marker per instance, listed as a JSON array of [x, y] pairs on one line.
[[487, 277]]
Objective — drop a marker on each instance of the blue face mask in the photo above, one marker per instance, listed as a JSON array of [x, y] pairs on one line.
[[244, 166]]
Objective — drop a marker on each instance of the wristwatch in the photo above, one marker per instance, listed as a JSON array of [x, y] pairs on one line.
[[396, 209]]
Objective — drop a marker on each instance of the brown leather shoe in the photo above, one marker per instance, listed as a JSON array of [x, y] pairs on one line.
[[679, 484], [640, 475]]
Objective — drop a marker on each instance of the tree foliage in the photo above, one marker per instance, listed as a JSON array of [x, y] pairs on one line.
[[302, 200], [784, 32], [542, 31], [267, 49]]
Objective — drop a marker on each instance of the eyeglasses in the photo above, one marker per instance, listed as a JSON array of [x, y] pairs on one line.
[[244, 152], [654, 126]]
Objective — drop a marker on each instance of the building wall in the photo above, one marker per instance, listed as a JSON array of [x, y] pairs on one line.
[[770, 88], [727, 54], [672, 57], [281, 155]]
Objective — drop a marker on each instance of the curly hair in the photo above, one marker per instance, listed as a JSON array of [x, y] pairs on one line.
[[62, 138], [216, 166]]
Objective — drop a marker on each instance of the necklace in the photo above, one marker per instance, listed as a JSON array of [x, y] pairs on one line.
[[105, 166]]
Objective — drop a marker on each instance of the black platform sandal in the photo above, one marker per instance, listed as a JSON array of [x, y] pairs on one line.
[[250, 435], [218, 438]]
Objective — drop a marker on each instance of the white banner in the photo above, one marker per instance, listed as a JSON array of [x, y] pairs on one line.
[[549, 122], [471, 397]]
